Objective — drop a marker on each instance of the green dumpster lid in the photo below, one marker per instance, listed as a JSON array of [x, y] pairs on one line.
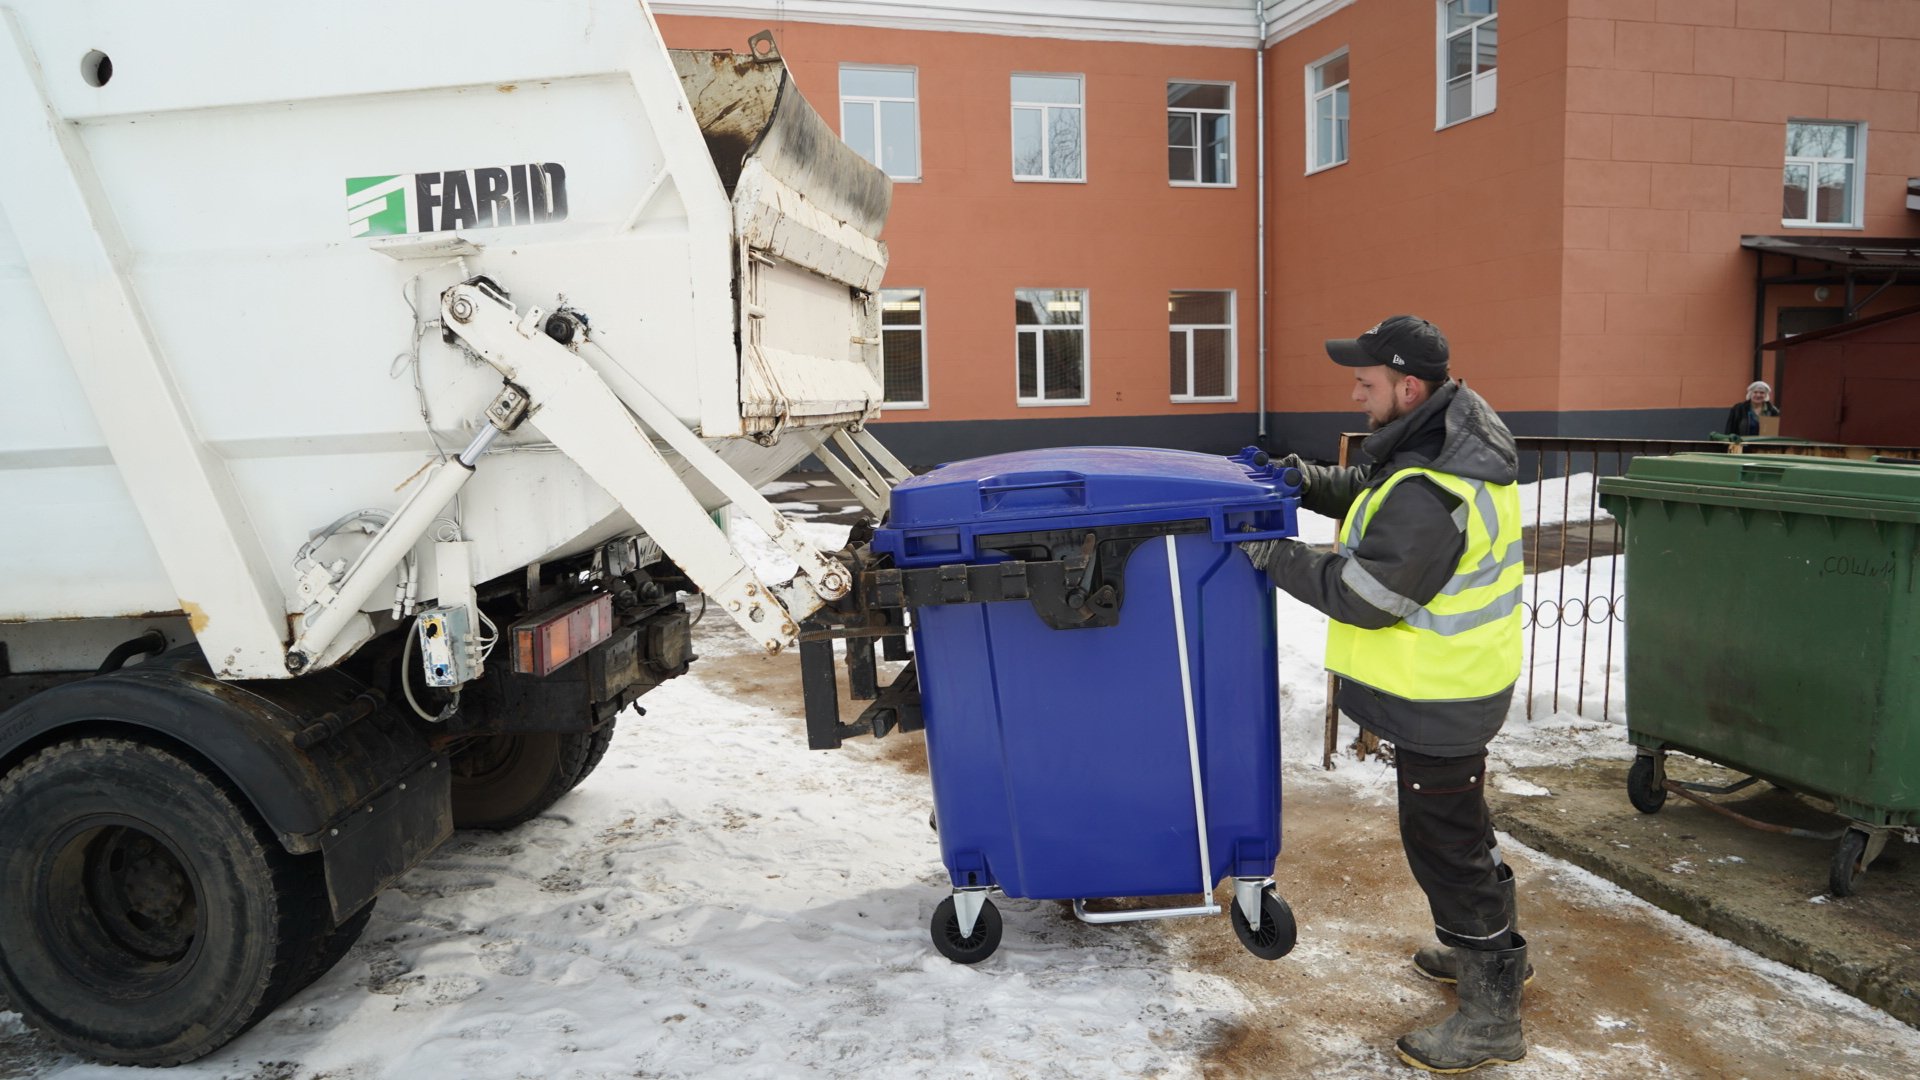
[[1881, 490]]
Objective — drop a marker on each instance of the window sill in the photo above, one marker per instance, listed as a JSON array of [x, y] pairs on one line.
[[1327, 167], [898, 406], [1821, 225], [1463, 120], [1199, 184], [904, 179], [1204, 400], [1048, 180], [1034, 403]]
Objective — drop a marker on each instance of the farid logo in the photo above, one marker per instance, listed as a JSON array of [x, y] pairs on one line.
[[461, 199]]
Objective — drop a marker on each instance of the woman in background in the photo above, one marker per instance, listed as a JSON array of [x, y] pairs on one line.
[[1744, 417]]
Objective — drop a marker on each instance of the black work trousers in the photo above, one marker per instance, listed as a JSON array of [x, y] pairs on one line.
[[1447, 832]]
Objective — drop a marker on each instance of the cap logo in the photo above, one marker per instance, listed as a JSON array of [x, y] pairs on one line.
[[1397, 360]]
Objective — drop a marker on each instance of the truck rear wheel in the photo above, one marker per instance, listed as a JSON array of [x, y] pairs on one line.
[[500, 781], [331, 949], [146, 916]]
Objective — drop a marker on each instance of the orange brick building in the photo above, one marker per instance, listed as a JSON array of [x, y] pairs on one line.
[[1563, 186]]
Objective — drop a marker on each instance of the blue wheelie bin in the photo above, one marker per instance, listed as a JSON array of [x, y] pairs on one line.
[[1098, 677]]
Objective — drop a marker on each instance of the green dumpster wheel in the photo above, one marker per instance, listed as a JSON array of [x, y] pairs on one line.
[[1277, 932], [1846, 870], [971, 948], [1646, 786]]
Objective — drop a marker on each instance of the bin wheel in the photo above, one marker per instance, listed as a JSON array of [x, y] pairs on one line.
[[972, 948], [1646, 787], [1846, 870], [1277, 931]]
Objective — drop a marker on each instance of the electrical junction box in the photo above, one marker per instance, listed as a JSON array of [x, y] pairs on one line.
[[447, 650]]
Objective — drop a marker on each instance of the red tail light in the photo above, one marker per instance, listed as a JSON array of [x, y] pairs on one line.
[[546, 642]]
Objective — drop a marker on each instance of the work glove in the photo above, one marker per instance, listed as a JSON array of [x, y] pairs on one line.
[[1293, 461], [1266, 554]]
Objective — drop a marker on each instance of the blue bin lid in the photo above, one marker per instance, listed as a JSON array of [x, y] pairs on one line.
[[1070, 487]]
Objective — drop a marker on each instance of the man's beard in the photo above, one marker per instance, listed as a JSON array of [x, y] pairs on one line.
[[1394, 412]]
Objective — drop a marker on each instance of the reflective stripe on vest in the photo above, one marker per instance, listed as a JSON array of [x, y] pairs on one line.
[[1465, 642]]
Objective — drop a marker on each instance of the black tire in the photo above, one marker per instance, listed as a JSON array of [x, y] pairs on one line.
[[147, 917], [1646, 786], [500, 781], [597, 743], [1277, 932], [1843, 876], [332, 949], [972, 948]]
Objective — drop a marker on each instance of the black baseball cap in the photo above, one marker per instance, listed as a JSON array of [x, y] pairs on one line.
[[1406, 343]]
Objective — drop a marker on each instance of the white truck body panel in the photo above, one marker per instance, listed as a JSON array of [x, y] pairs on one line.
[[214, 282]]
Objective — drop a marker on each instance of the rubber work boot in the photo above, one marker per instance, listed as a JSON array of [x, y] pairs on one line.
[[1438, 962], [1486, 1029]]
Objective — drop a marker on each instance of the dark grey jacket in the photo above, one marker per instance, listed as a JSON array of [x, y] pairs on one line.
[[1411, 547]]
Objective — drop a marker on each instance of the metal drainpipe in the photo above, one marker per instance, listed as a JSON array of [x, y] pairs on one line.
[[1260, 243]]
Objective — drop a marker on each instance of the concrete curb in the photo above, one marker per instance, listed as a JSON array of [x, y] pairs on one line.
[[1756, 889]]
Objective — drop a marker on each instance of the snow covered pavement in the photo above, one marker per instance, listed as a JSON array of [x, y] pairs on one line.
[[719, 902]]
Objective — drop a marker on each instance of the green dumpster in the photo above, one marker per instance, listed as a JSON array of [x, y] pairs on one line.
[[1773, 628]]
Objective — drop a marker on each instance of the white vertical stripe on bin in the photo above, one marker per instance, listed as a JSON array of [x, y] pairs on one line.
[[1193, 738]]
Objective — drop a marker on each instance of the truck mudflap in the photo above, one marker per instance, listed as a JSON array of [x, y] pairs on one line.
[[807, 214], [324, 761]]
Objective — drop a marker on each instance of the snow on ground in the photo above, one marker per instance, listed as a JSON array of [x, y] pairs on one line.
[[1568, 498], [720, 902]]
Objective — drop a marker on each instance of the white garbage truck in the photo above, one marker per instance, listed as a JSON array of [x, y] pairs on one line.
[[373, 372]]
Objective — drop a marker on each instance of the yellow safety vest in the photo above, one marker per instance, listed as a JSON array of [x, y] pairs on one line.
[[1465, 642]]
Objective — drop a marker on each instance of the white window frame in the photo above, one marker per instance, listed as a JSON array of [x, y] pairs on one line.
[[1233, 157], [1856, 213], [879, 124], [1313, 103], [1085, 326], [1231, 326], [1490, 80], [1046, 125], [926, 391]]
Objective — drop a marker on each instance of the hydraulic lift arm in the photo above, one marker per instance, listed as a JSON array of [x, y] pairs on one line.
[[607, 435]]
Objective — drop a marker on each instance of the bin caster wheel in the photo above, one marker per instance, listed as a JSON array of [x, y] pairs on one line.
[[1847, 866], [1277, 931], [1646, 784], [974, 947]]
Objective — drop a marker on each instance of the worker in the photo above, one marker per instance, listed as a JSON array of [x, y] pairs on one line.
[[1744, 418], [1422, 597]]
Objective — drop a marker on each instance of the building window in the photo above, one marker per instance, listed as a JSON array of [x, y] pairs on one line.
[[880, 117], [1822, 178], [1327, 112], [1200, 345], [1469, 40], [1049, 139], [903, 347], [1051, 330], [1200, 133]]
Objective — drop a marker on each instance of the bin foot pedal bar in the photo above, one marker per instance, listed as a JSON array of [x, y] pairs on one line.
[[1717, 789], [1099, 918], [1681, 789]]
